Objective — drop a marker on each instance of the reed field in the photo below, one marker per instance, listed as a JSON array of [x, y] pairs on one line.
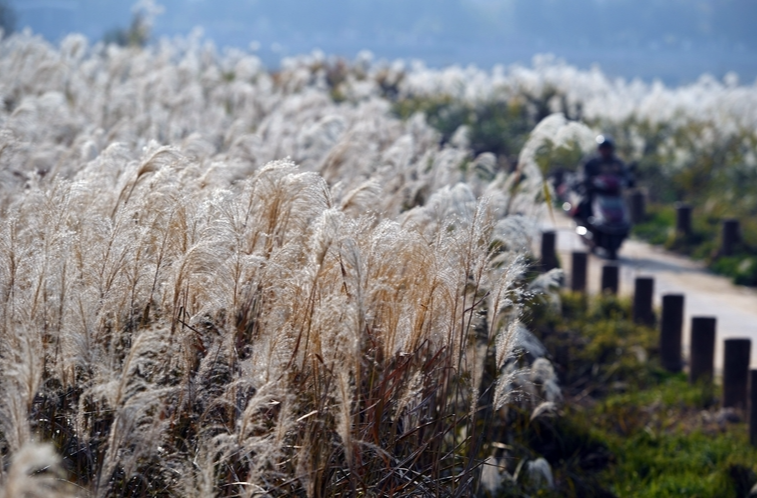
[[216, 281], [221, 280]]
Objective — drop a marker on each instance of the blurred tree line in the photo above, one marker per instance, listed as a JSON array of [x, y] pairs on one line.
[[7, 17], [136, 35], [139, 31]]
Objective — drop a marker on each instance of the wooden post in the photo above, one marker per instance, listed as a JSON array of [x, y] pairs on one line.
[[671, 331], [610, 279], [638, 207], [578, 271], [753, 407], [702, 354], [643, 294], [736, 359], [548, 251], [683, 219], [731, 237]]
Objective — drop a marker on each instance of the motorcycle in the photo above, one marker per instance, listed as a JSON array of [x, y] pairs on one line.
[[608, 224]]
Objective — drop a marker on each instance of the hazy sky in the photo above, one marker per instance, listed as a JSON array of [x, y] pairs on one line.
[[675, 40]]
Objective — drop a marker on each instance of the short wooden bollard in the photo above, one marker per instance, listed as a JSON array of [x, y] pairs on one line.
[[548, 251], [643, 293], [579, 267], [683, 219], [731, 237], [736, 359], [753, 407], [638, 207], [610, 279], [702, 354], [671, 331]]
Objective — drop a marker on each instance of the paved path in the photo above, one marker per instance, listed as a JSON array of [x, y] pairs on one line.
[[706, 294]]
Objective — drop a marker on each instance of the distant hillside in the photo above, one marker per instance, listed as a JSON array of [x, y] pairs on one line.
[[451, 31]]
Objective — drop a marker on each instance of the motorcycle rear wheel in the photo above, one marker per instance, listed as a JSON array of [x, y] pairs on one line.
[[613, 246]]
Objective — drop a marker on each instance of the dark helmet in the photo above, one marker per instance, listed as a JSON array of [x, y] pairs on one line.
[[605, 141]]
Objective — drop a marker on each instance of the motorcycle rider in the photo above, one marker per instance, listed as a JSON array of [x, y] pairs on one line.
[[604, 162]]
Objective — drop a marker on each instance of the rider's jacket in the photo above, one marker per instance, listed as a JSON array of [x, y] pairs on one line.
[[597, 166]]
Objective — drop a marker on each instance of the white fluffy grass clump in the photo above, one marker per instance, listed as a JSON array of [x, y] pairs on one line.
[[183, 311]]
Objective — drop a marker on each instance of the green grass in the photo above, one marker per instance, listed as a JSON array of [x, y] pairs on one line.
[[658, 227], [682, 464], [702, 244], [664, 447], [629, 428], [741, 268]]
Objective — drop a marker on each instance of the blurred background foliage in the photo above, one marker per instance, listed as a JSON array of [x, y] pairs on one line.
[[497, 127], [136, 35], [679, 161]]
